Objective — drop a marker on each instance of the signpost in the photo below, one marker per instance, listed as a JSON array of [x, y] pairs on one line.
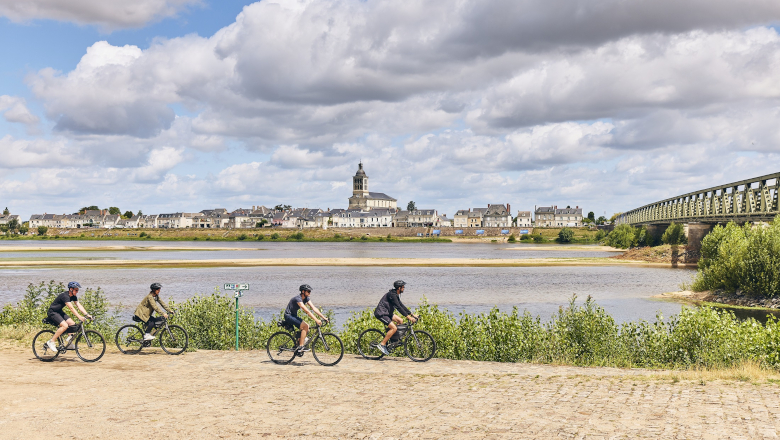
[[239, 288]]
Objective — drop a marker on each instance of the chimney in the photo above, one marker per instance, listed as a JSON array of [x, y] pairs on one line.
[[508, 210]]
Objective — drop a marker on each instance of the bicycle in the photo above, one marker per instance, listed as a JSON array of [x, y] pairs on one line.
[[326, 348], [419, 345], [173, 338], [89, 345]]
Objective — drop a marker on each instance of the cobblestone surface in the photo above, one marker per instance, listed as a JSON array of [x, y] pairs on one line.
[[242, 395]]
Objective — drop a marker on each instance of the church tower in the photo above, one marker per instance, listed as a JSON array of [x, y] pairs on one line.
[[360, 183]]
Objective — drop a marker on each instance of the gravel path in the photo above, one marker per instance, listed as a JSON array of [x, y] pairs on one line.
[[242, 395]]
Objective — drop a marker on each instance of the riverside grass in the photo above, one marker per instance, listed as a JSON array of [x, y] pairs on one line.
[[579, 334]]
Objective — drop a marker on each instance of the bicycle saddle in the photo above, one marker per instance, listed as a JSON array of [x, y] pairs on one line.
[[48, 321]]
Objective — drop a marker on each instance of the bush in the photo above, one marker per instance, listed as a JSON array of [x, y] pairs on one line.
[[295, 236], [674, 234], [511, 238], [42, 230], [141, 235], [364, 237], [622, 237], [538, 238], [275, 236], [24, 229], [565, 235], [243, 237], [260, 237], [600, 235], [742, 258]]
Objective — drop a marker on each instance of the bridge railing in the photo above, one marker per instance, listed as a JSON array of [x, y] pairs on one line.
[[747, 200]]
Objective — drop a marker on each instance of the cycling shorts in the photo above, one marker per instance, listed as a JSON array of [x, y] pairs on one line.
[[57, 317], [293, 320], [386, 319]]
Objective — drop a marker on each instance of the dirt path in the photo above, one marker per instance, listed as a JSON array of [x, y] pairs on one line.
[[242, 395]]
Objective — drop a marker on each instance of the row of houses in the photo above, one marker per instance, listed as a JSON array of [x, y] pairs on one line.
[[494, 216]]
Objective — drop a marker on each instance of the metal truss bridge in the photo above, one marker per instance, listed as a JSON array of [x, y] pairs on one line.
[[750, 200]]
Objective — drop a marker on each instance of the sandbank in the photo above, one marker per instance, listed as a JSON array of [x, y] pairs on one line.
[[117, 248]]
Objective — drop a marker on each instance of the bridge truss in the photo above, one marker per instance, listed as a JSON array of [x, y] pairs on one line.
[[748, 200]]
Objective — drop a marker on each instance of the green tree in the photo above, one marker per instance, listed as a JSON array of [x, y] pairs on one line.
[[601, 220], [565, 235], [511, 238], [114, 210], [127, 214], [411, 206], [88, 208], [282, 208], [140, 213], [13, 225], [592, 216], [261, 223], [24, 229], [3, 228], [614, 216], [42, 230], [643, 237], [674, 234], [622, 237]]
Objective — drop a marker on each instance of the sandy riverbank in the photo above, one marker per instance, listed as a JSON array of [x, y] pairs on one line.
[[118, 248], [359, 262], [208, 395]]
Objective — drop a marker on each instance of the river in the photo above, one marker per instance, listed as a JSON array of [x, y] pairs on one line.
[[625, 292]]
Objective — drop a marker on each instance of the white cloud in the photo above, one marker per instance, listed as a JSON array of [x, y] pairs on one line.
[[108, 14], [15, 109]]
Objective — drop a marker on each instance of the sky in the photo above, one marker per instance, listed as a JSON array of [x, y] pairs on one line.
[[184, 105]]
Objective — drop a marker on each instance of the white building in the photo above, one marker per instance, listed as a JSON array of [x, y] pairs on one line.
[[376, 218], [523, 219]]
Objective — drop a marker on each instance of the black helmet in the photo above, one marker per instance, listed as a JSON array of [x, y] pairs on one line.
[[156, 286], [398, 284], [305, 287]]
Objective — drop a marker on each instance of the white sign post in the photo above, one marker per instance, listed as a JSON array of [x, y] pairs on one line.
[[239, 289]]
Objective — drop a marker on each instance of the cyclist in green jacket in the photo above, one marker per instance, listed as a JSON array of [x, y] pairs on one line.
[[151, 303]]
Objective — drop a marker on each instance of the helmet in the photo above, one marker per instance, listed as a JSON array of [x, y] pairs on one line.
[[305, 287], [156, 286], [398, 284], [74, 285]]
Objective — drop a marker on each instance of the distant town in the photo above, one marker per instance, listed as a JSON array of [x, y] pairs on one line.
[[365, 209]]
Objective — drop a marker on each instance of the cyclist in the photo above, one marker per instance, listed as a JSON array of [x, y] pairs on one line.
[[150, 304], [291, 318], [57, 315], [390, 302]]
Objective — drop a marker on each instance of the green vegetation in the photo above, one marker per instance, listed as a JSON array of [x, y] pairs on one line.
[[275, 236], [565, 235], [42, 230], [578, 334], [626, 236], [411, 206], [600, 235], [242, 237], [674, 234], [296, 236], [744, 258], [538, 238], [511, 238]]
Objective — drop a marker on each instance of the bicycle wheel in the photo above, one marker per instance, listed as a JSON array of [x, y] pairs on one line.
[[420, 346], [92, 347], [174, 339], [328, 349], [129, 339], [367, 342], [40, 349], [281, 348]]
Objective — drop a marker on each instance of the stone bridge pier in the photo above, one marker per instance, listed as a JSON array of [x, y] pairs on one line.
[[695, 231]]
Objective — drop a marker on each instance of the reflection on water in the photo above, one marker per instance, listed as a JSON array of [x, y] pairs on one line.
[[625, 292]]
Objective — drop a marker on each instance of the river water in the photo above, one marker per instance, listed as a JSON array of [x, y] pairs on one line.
[[625, 292]]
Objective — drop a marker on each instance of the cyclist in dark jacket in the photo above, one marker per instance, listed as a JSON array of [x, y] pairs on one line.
[[390, 302]]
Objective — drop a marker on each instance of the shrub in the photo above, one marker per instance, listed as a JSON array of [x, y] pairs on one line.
[[260, 237], [565, 235], [42, 230], [674, 234], [538, 238], [622, 237], [600, 235], [24, 229], [364, 237], [275, 236], [511, 238], [243, 237], [337, 236], [141, 235], [295, 236], [742, 258], [526, 237]]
